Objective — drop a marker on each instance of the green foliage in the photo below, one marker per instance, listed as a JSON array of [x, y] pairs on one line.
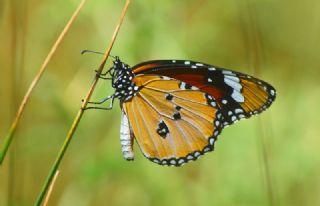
[[282, 36]]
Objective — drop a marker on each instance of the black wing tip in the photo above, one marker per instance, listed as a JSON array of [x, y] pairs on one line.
[[272, 93], [271, 98]]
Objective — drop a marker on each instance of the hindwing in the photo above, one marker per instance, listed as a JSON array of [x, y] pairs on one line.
[[172, 124]]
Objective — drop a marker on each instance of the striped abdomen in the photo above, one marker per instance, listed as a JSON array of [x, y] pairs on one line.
[[125, 138]]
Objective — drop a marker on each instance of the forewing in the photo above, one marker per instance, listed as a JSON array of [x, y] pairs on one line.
[[237, 95], [172, 124]]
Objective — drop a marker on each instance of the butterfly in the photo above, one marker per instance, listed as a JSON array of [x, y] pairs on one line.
[[176, 109]]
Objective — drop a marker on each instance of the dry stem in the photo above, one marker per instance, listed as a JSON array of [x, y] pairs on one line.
[[46, 200], [81, 111], [8, 138]]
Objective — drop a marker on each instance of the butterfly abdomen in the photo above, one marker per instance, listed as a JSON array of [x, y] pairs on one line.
[[125, 138]]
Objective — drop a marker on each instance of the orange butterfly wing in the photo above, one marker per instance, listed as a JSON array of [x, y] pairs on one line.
[[237, 95], [172, 125]]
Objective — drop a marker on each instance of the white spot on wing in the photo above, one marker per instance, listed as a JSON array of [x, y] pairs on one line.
[[237, 111], [233, 78], [228, 72], [207, 149], [194, 88], [216, 133], [211, 141], [165, 78], [234, 84], [237, 96], [187, 62], [181, 161], [190, 157], [173, 162], [197, 154], [183, 85], [272, 92]]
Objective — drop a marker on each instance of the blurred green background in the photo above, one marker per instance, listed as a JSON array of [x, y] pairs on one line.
[[273, 159]]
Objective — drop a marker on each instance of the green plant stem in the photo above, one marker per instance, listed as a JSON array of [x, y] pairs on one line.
[[59, 158], [6, 143], [8, 138], [79, 114]]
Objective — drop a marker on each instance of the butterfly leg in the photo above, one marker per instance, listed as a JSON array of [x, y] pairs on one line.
[[105, 78], [102, 75], [101, 102]]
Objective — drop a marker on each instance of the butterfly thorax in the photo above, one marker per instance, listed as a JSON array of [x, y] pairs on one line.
[[122, 82]]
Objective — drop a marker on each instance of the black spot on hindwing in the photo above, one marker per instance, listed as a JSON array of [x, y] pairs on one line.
[[162, 129], [169, 97], [176, 116], [178, 108]]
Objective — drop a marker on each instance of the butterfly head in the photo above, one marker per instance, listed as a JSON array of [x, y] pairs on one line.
[[122, 77]]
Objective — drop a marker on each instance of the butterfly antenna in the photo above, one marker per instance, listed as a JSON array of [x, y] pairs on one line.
[[90, 51], [95, 52]]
